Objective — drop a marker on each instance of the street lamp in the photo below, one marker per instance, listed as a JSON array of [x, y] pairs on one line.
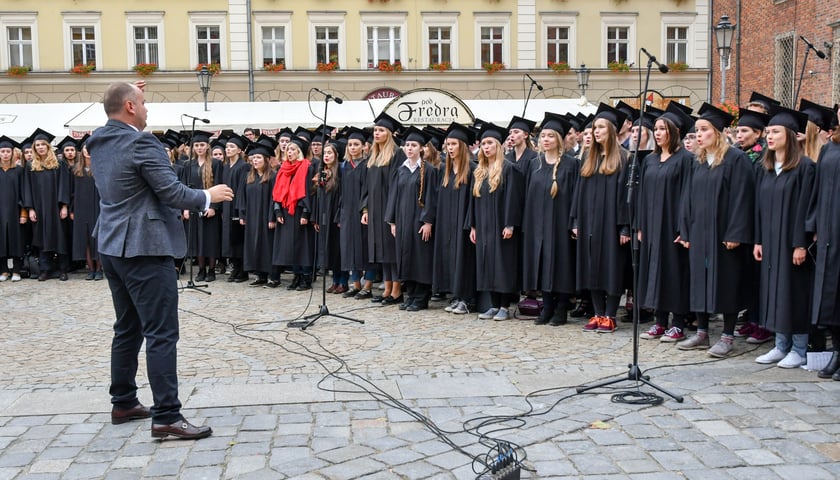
[[723, 33], [583, 80], [204, 76]]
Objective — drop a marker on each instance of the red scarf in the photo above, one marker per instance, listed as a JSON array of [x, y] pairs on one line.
[[291, 184]]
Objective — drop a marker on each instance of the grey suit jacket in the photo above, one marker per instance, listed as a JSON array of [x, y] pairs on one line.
[[141, 197]]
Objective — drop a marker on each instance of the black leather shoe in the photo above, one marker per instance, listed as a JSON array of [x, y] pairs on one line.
[[62, 276], [392, 301], [258, 282], [582, 309], [560, 317], [408, 301], [376, 298], [272, 284], [202, 276], [832, 367], [123, 415], [417, 305], [43, 276], [295, 283], [242, 277], [544, 318], [438, 297], [183, 430], [211, 276]]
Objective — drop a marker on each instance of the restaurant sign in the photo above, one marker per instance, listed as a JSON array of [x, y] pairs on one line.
[[429, 106]]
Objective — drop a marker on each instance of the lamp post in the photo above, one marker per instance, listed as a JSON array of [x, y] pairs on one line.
[[583, 81], [204, 77], [724, 30]]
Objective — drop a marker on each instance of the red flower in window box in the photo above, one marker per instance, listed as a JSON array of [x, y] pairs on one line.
[[395, 67], [493, 67], [274, 67], [329, 66], [214, 68], [18, 71], [144, 69], [83, 68], [559, 67], [441, 67]]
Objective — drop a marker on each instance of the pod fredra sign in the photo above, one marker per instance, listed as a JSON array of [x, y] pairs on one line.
[[429, 106]]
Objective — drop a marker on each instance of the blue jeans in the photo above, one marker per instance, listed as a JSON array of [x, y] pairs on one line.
[[798, 342]]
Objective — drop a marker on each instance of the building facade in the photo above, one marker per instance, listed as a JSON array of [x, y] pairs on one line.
[[275, 50], [769, 53]]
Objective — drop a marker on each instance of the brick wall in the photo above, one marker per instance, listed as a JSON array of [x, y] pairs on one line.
[[761, 22]]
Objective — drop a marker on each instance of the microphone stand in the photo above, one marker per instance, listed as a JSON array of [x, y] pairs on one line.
[[634, 373], [325, 221], [528, 98], [191, 285], [801, 75]]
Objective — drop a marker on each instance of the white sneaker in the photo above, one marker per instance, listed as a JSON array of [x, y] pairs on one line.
[[460, 308], [773, 356], [791, 360], [4, 277], [449, 308], [15, 277], [501, 315], [490, 313]]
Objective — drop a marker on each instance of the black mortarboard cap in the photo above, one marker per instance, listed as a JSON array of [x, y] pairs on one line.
[[255, 148], [717, 117], [386, 121], [285, 132], [67, 141], [649, 117], [168, 141], [788, 118], [574, 121], [237, 140], [676, 113], [478, 123], [414, 134], [302, 132], [523, 124], [629, 112], [26, 143], [461, 132], [495, 131], [823, 116], [752, 119], [553, 121], [355, 133], [40, 134], [6, 142], [611, 114], [436, 136], [302, 144], [201, 136], [340, 146], [764, 100], [683, 108], [270, 143]]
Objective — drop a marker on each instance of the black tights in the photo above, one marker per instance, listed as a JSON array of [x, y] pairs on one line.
[[729, 320], [604, 304]]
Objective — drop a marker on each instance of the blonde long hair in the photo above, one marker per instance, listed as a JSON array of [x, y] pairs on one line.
[[718, 149], [813, 140], [611, 151], [206, 170], [48, 162], [489, 169], [381, 155], [462, 160]]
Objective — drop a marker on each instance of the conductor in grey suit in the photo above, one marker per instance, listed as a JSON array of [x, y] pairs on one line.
[[139, 234]]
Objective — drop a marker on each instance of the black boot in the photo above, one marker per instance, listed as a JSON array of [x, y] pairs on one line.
[[548, 309], [295, 282], [832, 368], [305, 283], [560, 317], [582, 309], [202, 275]]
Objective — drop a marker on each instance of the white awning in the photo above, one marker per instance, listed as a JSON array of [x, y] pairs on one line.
[[19, 120]]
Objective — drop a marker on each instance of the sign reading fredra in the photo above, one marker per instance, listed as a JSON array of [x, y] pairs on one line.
[[429, 106]]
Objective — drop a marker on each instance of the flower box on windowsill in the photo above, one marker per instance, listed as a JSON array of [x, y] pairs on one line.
[[17, 71], [274, 67], [327, 67], [441, 67], [559, 67], [493, 67], [83, 69], [618, 67], [678, 67], [384, 66], [213, 68], [144, 69]]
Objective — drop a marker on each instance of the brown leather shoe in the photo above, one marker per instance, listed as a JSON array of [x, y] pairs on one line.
[[123, 415], [183, 429]]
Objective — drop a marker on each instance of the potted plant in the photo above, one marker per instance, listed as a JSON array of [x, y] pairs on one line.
[[274, 67], [493, 67], [18, 71], [440, 67], [384, 66], [678, 66], [329, 66], [83, 68], [144, 69], [214, 68], [618, 66], [559, 67]]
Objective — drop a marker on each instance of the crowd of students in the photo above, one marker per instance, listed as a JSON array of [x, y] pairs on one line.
[[727, 218]]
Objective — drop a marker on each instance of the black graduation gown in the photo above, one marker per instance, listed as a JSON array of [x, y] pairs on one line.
[[46, 191], [524, 164], [498, 260], [381, 245], [600, 213], [233, 176], [85, 207], [352, 234], [824, 220], [255, 205], [327, 217], [454, 253], [294, 244], [719, 206], [205, 233], [663, 265], [414, 256], [781, 209], [548, 261], [11, 200]]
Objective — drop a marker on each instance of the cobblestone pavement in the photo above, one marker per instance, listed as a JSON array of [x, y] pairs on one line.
[[276, 413]]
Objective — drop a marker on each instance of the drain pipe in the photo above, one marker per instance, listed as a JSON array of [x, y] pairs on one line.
[[248, 23], [738, 55]]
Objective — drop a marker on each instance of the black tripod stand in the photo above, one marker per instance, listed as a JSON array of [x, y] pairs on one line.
[[634, 373], [325, 220], [191, 285]]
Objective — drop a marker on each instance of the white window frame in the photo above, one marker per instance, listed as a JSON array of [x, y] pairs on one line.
[[383, 19], [682, 20], [198, 19], [558, 19], [441, 19], [493, 19], [619, 20], [82, 19], [328, 19], [19, 19], [145, 19], [272, 19]]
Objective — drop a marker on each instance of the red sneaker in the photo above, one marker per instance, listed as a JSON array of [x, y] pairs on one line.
[[655, 331], [746, 330], [760, 335], [592, 325], [606, 325], [674, 334]]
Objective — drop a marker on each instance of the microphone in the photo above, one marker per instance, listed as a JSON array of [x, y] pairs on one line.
[[196, 118], [329, 96], [812, 47], [662, 68], [534, 82]]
